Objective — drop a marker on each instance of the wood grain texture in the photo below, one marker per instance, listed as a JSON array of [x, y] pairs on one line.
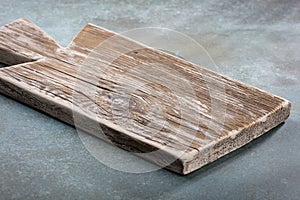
[[165, 109]]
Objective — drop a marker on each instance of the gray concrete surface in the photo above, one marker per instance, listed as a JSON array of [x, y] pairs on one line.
[[256, 42]]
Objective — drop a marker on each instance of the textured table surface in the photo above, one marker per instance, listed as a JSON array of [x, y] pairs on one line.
[[256, 42]]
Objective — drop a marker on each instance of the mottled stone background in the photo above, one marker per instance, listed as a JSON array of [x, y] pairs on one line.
[[256, 42]]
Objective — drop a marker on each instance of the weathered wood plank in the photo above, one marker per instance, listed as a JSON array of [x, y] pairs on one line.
[[144, 99]]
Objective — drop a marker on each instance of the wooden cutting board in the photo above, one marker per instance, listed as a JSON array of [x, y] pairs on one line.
[[162, 108]]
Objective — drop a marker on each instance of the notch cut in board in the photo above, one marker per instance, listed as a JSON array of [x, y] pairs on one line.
[[167, 110]]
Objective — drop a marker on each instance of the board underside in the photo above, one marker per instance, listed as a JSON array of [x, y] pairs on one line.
[[167, 110]]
